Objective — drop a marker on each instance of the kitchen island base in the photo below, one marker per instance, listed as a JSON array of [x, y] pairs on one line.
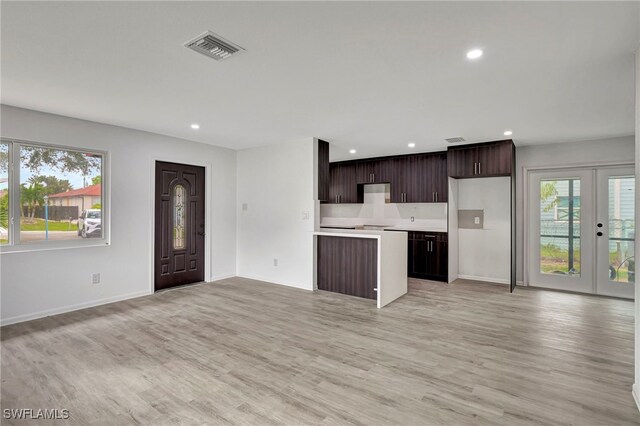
[[368, 264]]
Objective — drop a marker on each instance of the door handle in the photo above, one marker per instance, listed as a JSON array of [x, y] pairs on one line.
[[479, 168], [436, 196], [475, 168]]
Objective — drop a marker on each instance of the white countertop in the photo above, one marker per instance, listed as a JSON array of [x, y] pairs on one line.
[[335, 228], [417, 228], [351, 233]]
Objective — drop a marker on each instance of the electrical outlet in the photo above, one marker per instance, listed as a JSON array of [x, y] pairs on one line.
[[95, 278], [411, 218], [275, 262], [476, 220]]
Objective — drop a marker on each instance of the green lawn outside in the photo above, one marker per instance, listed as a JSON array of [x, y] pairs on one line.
[[553, 259], [38, 225]]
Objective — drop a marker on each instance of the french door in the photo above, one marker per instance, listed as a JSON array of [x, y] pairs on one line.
[[582, 230]]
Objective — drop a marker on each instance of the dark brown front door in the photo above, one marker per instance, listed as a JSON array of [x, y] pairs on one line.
[[179, 222]]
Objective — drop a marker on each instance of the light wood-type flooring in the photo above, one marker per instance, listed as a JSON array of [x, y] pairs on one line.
[[243, 352]]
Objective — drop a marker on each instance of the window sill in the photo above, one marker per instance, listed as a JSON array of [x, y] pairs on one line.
[[35, 247]]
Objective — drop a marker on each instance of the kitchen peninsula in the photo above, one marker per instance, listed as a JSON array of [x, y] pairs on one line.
[[364, 263]]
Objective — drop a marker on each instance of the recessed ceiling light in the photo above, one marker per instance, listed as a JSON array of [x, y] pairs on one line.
[[195, 126], [352, 151], [411, 145], [474, 54], [508, 133]]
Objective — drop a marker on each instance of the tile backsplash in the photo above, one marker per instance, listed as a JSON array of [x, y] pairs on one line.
[[377, 210]]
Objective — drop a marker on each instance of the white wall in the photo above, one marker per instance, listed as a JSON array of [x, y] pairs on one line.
[[41, 283], [602, 151], [485, 254], [276, 185]]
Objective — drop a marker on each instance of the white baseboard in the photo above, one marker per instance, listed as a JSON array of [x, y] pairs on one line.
[[70, 308], [250, 277], [485, 279], [222, 277], [636, 394]]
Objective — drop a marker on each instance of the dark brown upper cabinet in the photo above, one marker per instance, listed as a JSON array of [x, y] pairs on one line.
[[323, 171], [373, 171], [420, 178], [343, 187], [488, 159]]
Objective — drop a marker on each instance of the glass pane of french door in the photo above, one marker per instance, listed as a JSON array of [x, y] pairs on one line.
[[615, 231], [559, 255], [560, 226]]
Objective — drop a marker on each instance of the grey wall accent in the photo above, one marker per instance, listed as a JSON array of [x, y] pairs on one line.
[[466, 219]]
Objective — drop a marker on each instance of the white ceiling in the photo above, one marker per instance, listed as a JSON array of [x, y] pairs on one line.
[[369, 76]]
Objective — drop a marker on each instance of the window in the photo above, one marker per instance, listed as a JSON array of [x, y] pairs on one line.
[[50, 196], [178, 217], [4, 193]]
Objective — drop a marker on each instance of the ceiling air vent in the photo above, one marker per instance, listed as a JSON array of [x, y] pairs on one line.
[[455, 140], [214, 46]]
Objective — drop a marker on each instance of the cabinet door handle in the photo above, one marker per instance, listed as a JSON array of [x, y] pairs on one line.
[[436, 196], [373, 177], [479, 168], [475, 168]]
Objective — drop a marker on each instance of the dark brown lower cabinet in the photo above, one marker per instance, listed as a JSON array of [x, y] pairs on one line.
[[348, 265], [428, 256]]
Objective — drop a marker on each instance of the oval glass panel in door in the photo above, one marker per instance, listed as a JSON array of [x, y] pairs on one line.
[[178, 217]]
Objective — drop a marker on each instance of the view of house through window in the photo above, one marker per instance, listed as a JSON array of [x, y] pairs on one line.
[[60, 194]]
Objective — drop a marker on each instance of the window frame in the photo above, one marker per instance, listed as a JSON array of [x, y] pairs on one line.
[[14, 245]]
